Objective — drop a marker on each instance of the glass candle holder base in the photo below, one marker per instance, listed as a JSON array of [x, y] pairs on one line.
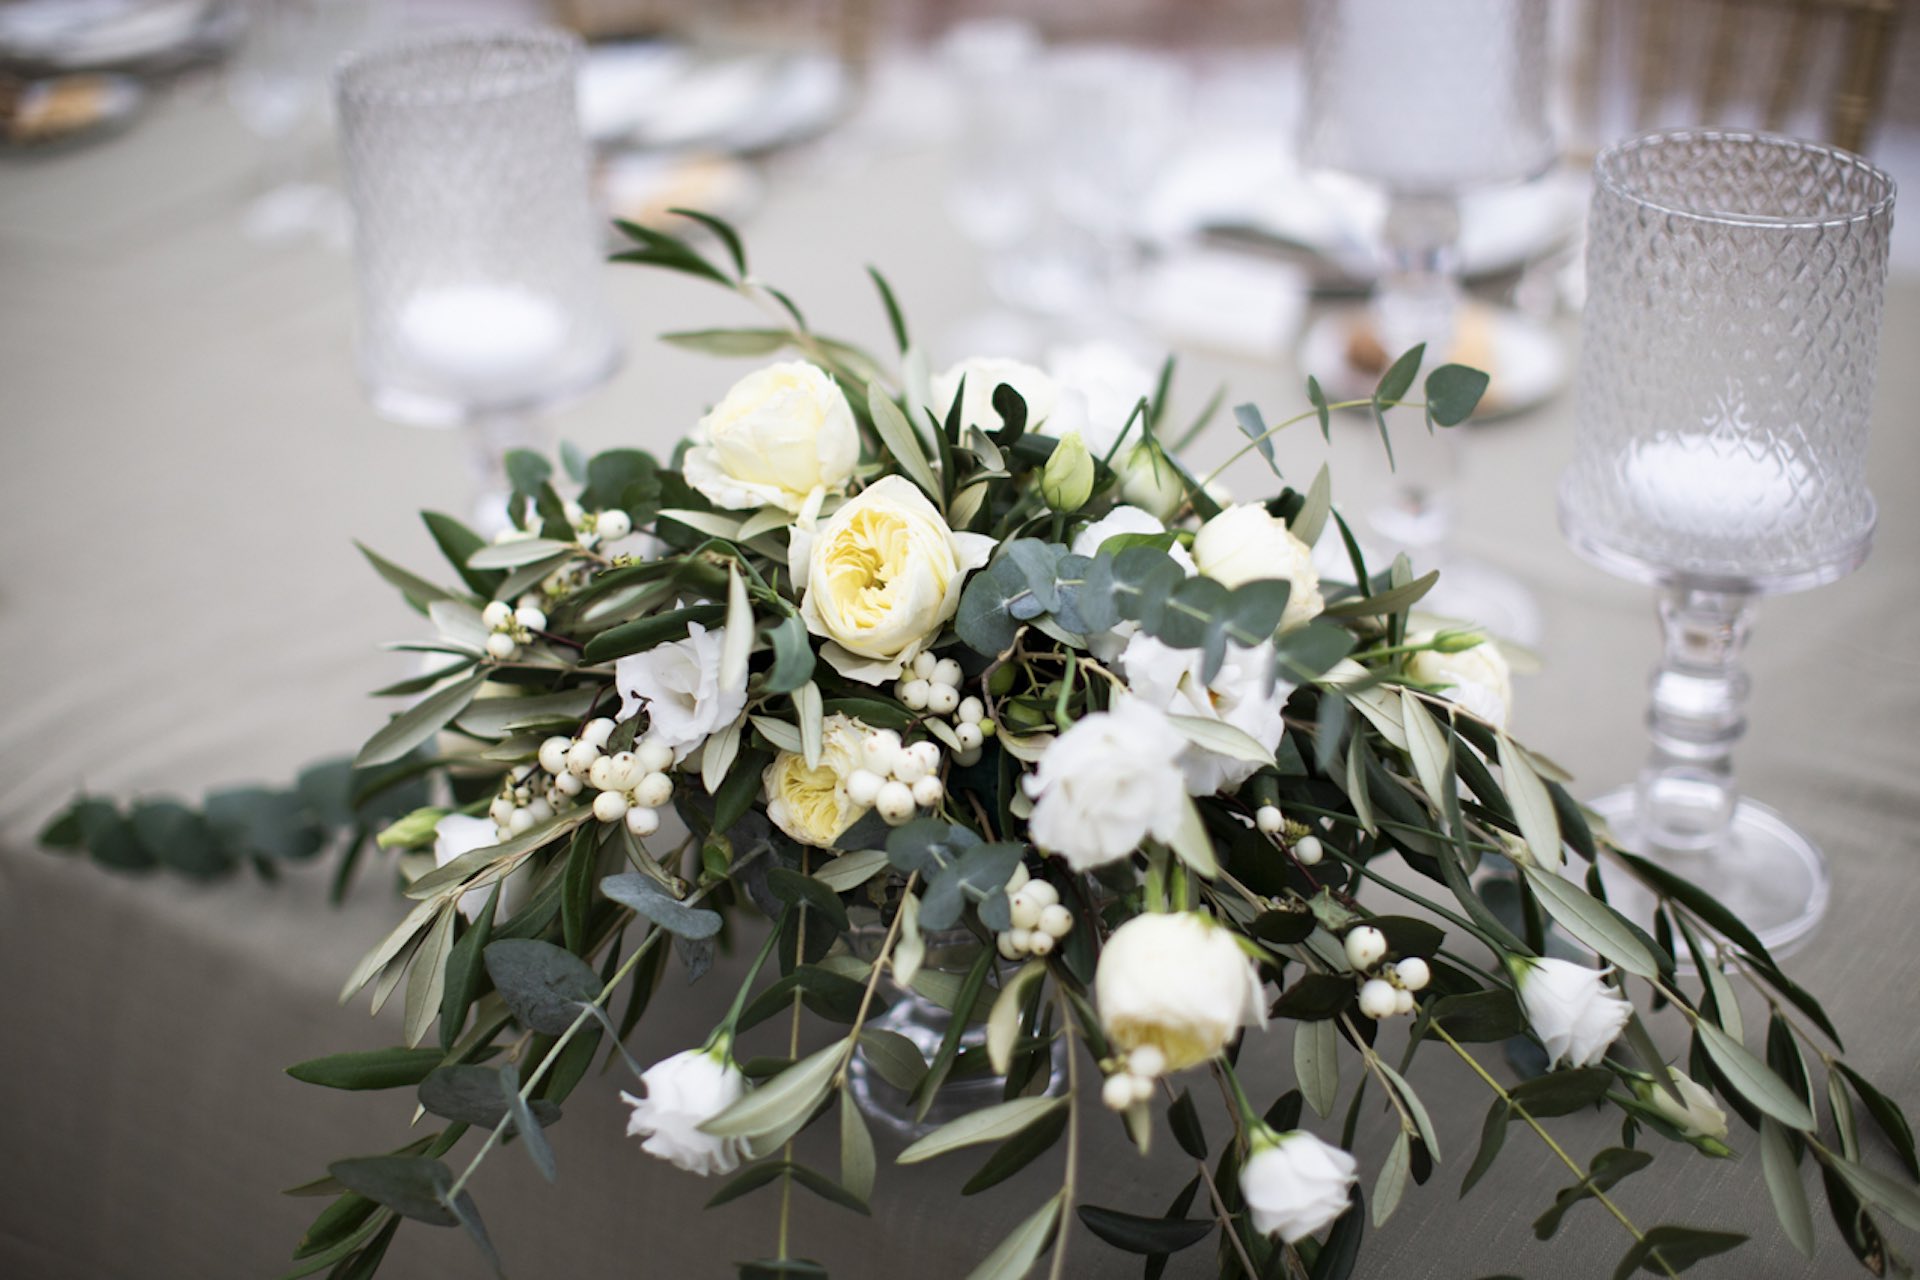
[[969, 1087], [1764, 871]]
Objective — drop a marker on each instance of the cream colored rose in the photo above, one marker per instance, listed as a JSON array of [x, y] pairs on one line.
[[1179, 983], [810, 802], [983, 377], [1477, 679], [1245, 544], [784, 436], [881, 577]]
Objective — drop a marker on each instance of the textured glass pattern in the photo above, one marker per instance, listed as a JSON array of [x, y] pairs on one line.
[[1732, 329], [477, 253], [1427, 95]]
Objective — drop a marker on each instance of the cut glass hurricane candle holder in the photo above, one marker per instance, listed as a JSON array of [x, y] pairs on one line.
[[1735, 286]]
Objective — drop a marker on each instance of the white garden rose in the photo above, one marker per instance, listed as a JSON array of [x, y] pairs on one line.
[[881, 577], [1571, 1008], [1168, 679], [683, 1093], [1148, 480], [1246, 544], [457, 835], [784, 436], [1106, 383], [1694, 1113], [1295, 1184], [1106, 784], [984, 375], [1477, 679], [1179, 983], [678, 684], [811, 802]]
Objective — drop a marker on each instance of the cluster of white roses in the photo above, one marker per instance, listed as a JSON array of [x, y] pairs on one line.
[[1039, 919], [1385, 990]]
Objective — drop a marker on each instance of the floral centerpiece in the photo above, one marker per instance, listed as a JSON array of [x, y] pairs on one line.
[[876, 661]]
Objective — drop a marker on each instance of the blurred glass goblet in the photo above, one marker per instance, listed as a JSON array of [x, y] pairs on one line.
[[1735, 286], [475, 242]]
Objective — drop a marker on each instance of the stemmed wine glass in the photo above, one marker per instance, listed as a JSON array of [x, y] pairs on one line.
[[1735, 285], [1426, 101], [475, 243]]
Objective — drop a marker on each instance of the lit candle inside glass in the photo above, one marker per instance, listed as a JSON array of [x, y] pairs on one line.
[[1700, 485], [483, 339]]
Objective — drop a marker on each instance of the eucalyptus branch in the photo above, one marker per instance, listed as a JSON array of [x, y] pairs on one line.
[[1278, 427], [1500, 1091]]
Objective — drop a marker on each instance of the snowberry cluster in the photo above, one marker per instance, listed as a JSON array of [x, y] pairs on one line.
[[1390, 990], [933, 685], [1305, 845], [508, 628], [633, 785], [895, 778], [525, 801], [1132, 1079], [1039, 921], [591, 528]]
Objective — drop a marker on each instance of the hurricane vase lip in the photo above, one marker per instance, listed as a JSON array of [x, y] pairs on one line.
[[460, 64], [1614, 173]]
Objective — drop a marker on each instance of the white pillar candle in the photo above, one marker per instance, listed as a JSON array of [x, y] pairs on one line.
[[1700, 484], [482, 339]]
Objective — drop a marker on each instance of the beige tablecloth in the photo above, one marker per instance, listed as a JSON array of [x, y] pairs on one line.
[[186, 458]]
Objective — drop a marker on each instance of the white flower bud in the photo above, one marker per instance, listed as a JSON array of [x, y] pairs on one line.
[[600, 774], [1269, 819], [927, 793], [1295, 1184], [942, 699], [567, 784], [530, 618], [1307, 850], [947, 672], [895, 803], [642, 821], [501, 647], [1378, 999], [1056, 921], [655, 756], [970, 710], [1026, 908], [913, 694], [924, 664], [1413, 973], [1366, 946], [553, 754], [1148, 1061], [496, 615], [880, 749], [613, 525], [580, 758], [610, 806], [1117, 1092], [597, 731], [970, 739], [654, 790], [863, 785], [520, 821]]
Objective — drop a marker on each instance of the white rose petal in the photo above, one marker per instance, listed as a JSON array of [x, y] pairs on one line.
[[456, 835], [1168, 679], [783, 437], [983, 376], [683, 1093], [1106, 784], [1477, 679], [883, 575], [678, 684], [1245, 544], [1107, 383], [1178, 983], [815, 804], [1571, 1008], [1296, 1184]]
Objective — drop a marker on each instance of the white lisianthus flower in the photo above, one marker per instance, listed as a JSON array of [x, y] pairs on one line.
[[881, 577], [1694, 1113], [1245, 544], [811, 802], [683, 1093], [1179, 983], [1295, 1184], [1477, 679], [1107, 784], [678, 684], [983, 376], [784, 436], [1168, 679], [1107, 383], [1570, 1007], [457, 835]]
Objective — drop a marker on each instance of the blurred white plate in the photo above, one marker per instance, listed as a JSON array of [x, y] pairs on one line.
[[665, 96], [95, 33]]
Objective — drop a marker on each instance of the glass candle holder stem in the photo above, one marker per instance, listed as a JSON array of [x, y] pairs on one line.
[[1686, 794], [1419, 293], [487, 438]]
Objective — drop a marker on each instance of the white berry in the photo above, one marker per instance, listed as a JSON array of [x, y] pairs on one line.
[[1413, 973], [970, 710], [1043, 893], [863, 786], [947, 672], [530, 618], [600, 775], [1117, 1092], [655, 756], [880, 750], [643, 822], [927, 793], [1269, 819], [567, 784], [1148, 1061], [613, 525], [969, 737], [927, 753], [597, 731], [1403, 1001], [497, 614], [610, 806], [1307, 850], [924, 664], [553, 754], [580, 758], [1039, 943], [1365, 947], [654, 790], [942, 699], [914, 694], [1018, 878], [1004, 943], [1026, 909], [501, 810], [1056, 921], [895, 802], [1378, 999], [541, 809], [624, 771], [500, 646], [910, 767], [520, 821]]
